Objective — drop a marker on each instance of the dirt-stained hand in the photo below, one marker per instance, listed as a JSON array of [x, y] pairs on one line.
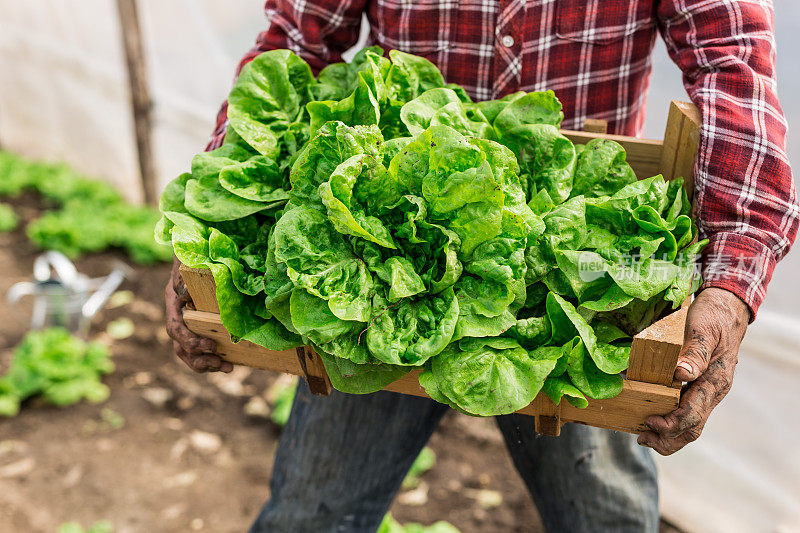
[[715, 326], [195, 351]]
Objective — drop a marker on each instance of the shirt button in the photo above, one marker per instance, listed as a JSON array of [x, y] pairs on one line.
[[508, 41]]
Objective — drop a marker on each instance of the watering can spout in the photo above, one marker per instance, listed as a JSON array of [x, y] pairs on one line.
[[18, 290]]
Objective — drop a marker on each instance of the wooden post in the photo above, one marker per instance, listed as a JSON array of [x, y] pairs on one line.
[[681, 140], [140, 96], [654, 351], [593, 125]]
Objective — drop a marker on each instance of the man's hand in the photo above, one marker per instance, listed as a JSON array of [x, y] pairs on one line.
[[195, 351], [715, 327]]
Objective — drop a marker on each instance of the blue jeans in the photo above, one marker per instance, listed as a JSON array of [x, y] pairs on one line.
[[342, 458]]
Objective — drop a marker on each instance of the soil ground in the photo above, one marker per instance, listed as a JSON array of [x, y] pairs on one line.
[[175, 451]]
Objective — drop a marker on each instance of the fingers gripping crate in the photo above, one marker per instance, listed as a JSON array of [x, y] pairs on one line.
[[648, 388]]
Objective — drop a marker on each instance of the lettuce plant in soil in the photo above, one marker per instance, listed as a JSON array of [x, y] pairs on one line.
[[381, 216], [58, 366], [81, 215]]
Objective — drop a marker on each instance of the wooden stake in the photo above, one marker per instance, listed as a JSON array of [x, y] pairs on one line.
[[140, 95]]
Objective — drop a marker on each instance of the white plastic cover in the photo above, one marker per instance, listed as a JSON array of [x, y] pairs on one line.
[[64, 89], [743, 474], [192, 49]]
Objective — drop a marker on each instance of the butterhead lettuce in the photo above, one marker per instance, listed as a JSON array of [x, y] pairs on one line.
[[380, 215]]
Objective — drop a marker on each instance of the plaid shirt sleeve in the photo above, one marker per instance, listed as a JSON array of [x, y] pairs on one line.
[[596, 56], [319, 31], [745, 199]]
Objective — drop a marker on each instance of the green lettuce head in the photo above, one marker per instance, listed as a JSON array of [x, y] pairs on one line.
[[392, 259], [379, 214]]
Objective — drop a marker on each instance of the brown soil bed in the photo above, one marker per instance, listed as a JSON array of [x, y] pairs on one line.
[[187, 456]]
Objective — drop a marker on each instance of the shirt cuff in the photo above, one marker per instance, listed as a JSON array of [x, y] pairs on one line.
[[740, 264]]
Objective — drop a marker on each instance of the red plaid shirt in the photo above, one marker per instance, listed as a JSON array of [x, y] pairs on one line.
[[595, 55]]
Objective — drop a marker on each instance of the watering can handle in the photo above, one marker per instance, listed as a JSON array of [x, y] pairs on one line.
[[58, 262], [99, 297]]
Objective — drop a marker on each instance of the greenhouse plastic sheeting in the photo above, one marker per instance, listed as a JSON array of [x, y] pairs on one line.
[[192, 49], [64, 90], [65, 61], [743, 474]]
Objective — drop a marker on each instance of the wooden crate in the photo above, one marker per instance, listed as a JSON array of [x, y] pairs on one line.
[[648, 387]]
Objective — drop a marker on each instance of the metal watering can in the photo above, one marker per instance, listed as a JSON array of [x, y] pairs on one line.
[[64, 297]]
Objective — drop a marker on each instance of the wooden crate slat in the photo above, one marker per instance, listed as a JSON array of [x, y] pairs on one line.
[[245, 353], [593, 125], [548, 417], [627, 412], [313, 369], [408, 384], [681, 140], [200, 284], [654, 351]]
